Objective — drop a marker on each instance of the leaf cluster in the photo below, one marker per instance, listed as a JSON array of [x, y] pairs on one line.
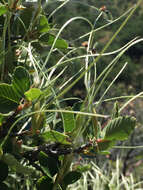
[[40, 135]]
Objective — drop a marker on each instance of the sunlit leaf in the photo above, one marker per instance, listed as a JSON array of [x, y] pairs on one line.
[[1, 119], [3, 9], [69, 121], [55, 136], [33, 94], [43, 24], [48, 39], [105, 152], [83, 168], [9, 99]]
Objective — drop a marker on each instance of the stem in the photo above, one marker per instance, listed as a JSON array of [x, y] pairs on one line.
[[103, 50], [3, 47]]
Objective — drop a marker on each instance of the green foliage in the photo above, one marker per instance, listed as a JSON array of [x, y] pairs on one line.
[[48, 39], [3, 186], [33, 94], [40, 134], [8, 98], [71, 177], [13, 163], [10, 95], [119, 128], [83, 168], [43, 24], [3, 9], [104, 145], [69, 121], [24, 20], [44, 182], [47, 164], [55, 136]]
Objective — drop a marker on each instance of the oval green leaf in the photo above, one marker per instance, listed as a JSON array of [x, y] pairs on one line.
[[55, 136], [48, 39], [69, 121], [3, 9], [9, 99], [33, 94], [119, 128], [21, 80], [43, 24]]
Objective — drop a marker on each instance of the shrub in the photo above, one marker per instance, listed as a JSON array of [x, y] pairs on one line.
[[39, 134]]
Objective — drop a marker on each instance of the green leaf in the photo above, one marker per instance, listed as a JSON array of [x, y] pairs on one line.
[[13, 163], [21, 80], [83, 168], [105, 152], [3, 9], [69, 121], [9, 99], [10, 95], [24, 20], [55, 137], [72, 177], [1, 119], [103, 145], [48, 39], [43, 24], [3, 171], [44, 183], [47, 163], [119, 128], [33, 94]]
